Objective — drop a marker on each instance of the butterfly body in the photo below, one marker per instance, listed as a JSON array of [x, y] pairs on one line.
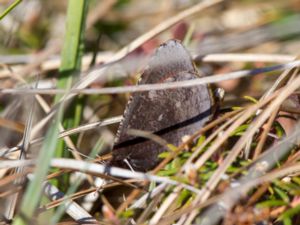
[[170, 114]]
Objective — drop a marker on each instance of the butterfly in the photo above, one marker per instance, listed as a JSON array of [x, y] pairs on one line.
[[170, 113]]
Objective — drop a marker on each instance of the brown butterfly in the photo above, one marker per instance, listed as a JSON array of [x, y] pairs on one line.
[[170, 114]]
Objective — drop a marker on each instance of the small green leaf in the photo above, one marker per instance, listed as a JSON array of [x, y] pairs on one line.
[[240, 130], [127, 214], [164, 155], [251, 99], [234, 108], [172, 147], [270, 203], [167, 172], [200, 140], [176, 163], [183, 196], [279, 130], [186, 155], [282, 194], [296, 180], [271, 190], [291, 188]]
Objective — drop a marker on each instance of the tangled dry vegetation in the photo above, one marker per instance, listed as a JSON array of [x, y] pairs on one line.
[[61, 105]]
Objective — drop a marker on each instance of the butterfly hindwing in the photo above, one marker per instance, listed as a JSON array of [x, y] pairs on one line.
[[170, 113]]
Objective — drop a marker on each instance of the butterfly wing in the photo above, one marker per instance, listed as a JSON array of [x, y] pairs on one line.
[[170, 113]]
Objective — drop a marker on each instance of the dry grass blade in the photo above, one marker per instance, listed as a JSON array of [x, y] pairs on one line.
[[231, 57], [264, 135], [12, 204], [15, 126], [8, 164], [54, 62], [84, 127], [149, 87], [83, 193], [94, 168], [163, 86]]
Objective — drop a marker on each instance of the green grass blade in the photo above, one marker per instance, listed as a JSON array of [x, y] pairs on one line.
[[34, 191], [11, 7], [70, 66]]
